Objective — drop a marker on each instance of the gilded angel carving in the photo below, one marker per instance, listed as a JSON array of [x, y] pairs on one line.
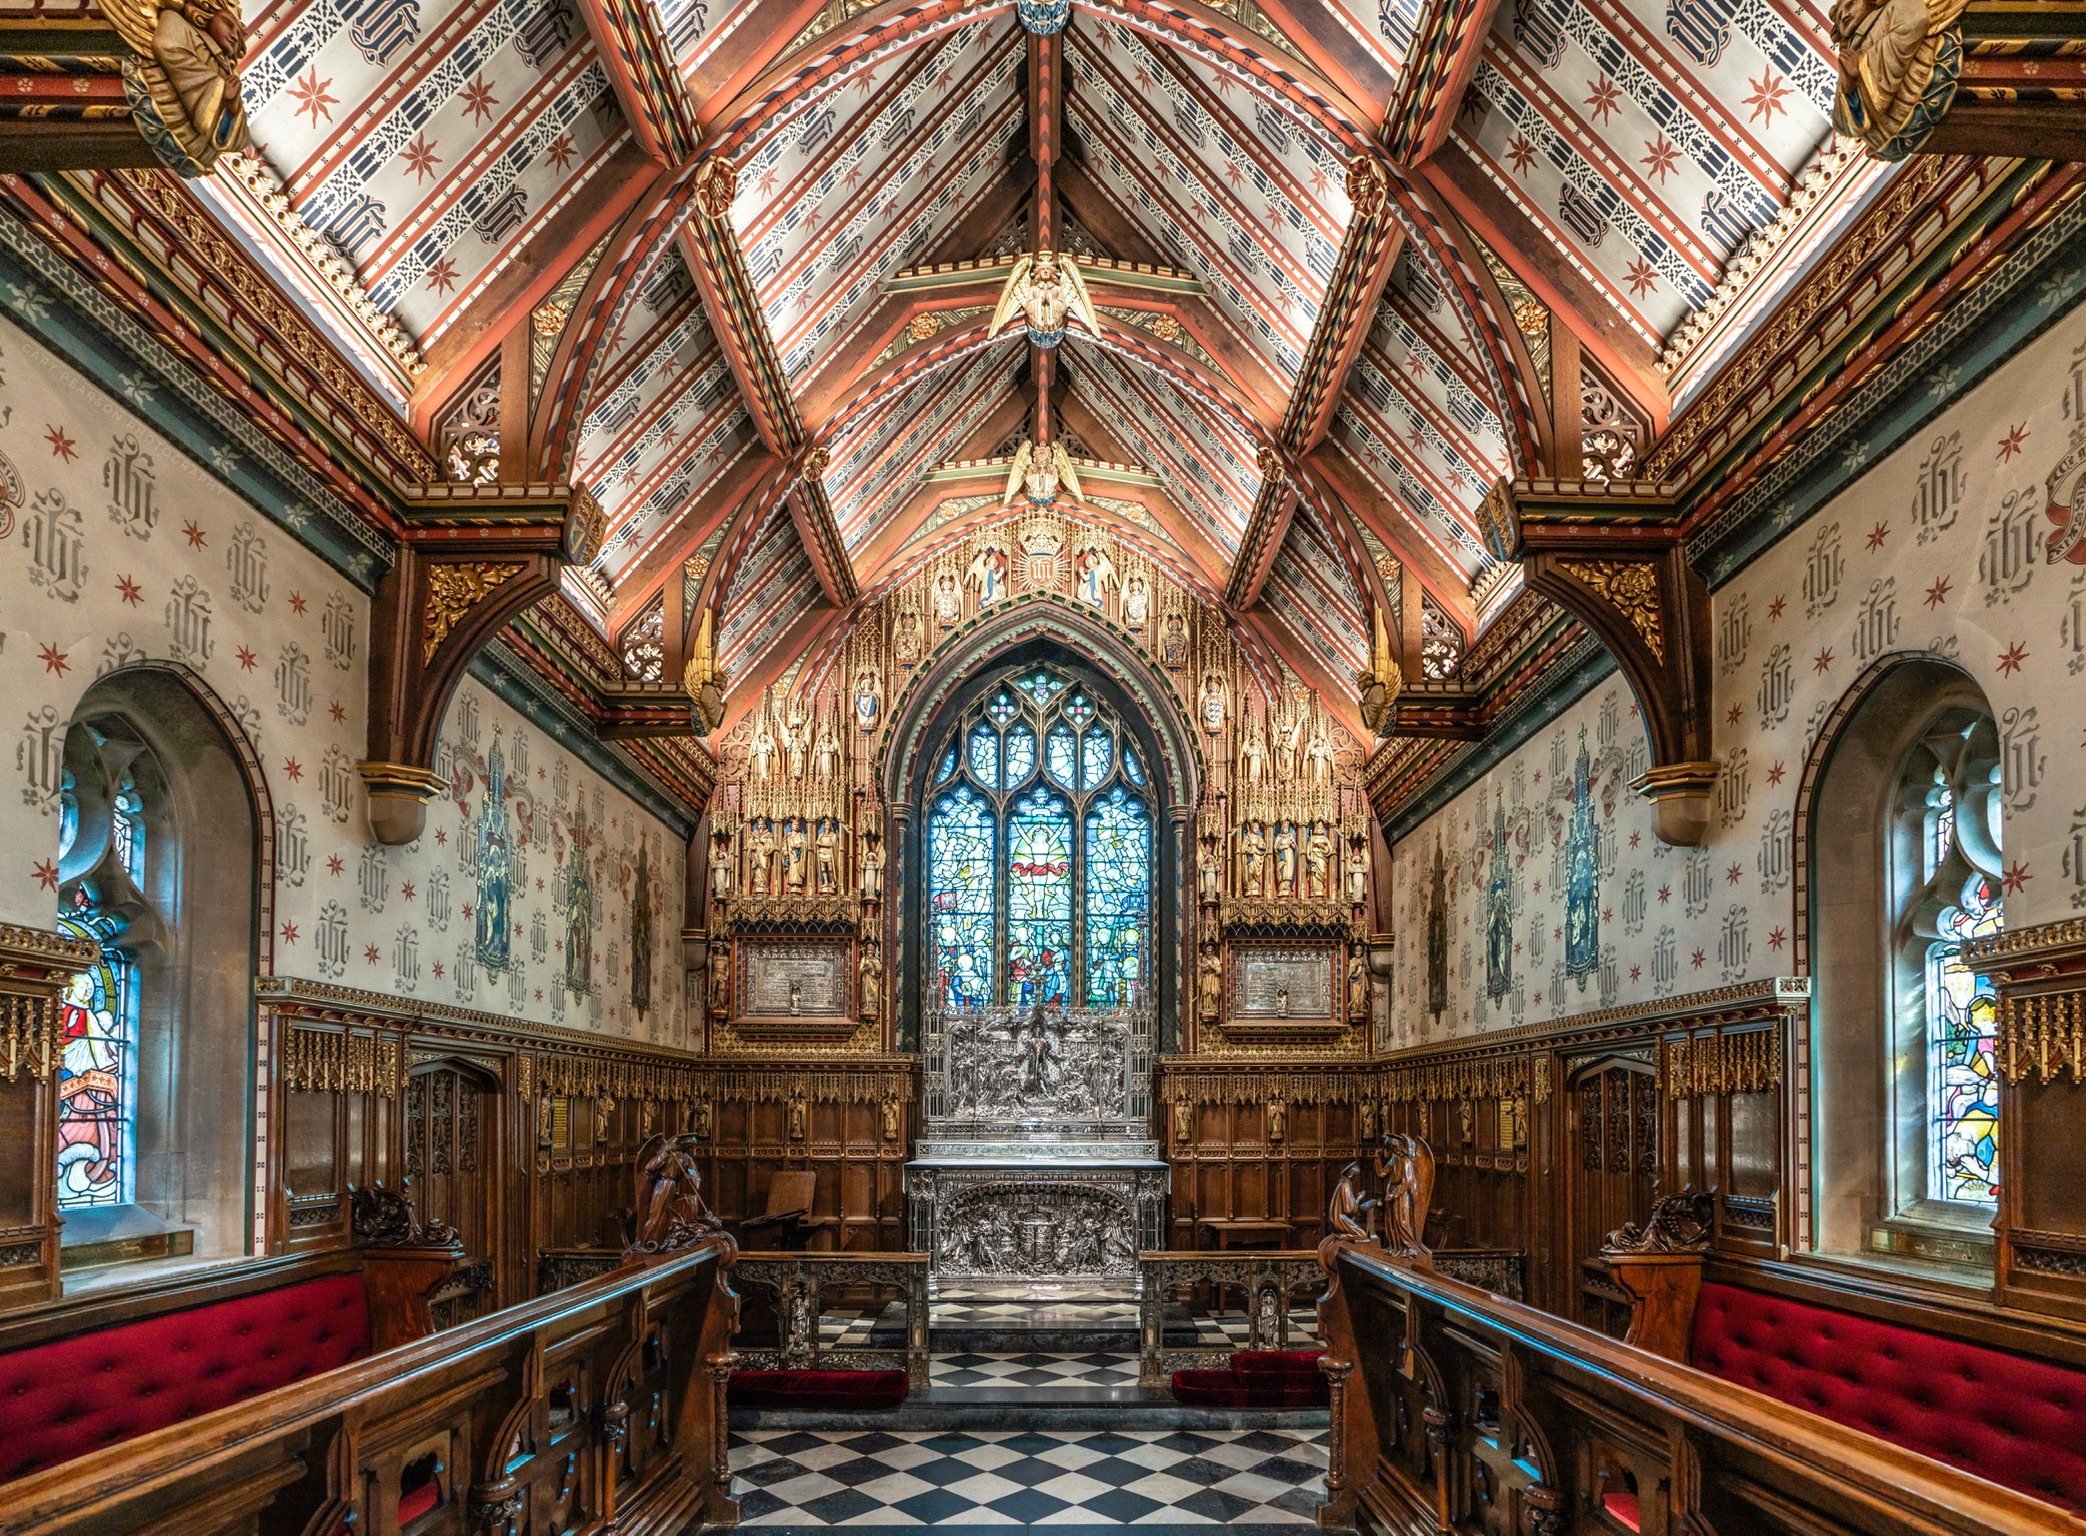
[[183, 82], [1899, 60], [1038, 471], [1047, 289]]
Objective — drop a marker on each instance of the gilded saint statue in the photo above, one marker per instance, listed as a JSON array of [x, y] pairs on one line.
[[825, 755], [1288, 735], [1253, 858], [1318, 863], [872, 871], [721, 867], [1039, 469], [1210, 984], [1318, 757], [760, 859], [796, 848], [1137, 602], [1285, 859], [1253, 753], [827, 857]]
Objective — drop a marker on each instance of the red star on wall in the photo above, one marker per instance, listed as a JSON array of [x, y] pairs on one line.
[[1731, 715], [1777, 939], [2015, 440], [441, 275], [1822, 661], [129, 591], [62, 447], [247, 658], [1731, 875], [421, 159], [1605, 100], [292, 769], [1774, 609], [289, 933], [1775, 775], [1938, 593], [2011, 658], [47, 874], [193, 532], [1643, 278], [297, 603], [370, 954], [438, 970], [2017, 878], [1635, 838], [54, 660], [334, 865], [1696, 959], [406, 890], [1665, 894], [338, 711], [1522, 153], [1636, 971], [314, 97], [1877, 535]]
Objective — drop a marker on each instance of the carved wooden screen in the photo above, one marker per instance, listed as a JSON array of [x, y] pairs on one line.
[[1613, 1169], [450, 1160]]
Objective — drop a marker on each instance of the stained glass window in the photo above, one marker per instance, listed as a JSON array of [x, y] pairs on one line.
[[1061, 756], [97, 1082], [1950, 1026], [1021, 755], [948, 767], [1118, 897], [1033, 883], [1093, 759], [962, 841], [1039, 899], [1962, 1053], [985, 756], [127, 828]]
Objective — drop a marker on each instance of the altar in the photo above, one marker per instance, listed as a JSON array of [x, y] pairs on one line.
[[1036, 1159]]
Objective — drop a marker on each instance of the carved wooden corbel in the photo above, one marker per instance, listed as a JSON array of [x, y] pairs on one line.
[[472, 558], [1610, 554]]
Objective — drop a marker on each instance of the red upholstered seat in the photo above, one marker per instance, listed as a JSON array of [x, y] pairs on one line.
[[1258, 1378], [2017, 1422], [836, 1391], [77, 1395]]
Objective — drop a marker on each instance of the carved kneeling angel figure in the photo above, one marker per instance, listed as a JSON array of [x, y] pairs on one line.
[[1047, 289]]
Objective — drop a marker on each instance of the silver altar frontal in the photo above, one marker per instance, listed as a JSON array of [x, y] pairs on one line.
[[1036, 1160]]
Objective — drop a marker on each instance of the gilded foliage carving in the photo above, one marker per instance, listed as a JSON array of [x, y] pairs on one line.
[[454, 590], [1631, 588]]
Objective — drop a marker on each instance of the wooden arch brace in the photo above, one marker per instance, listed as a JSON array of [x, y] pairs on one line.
[[471, 558], [1610, 554]]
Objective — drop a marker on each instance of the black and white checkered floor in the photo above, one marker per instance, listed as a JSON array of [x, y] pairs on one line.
[[1244, 1479]]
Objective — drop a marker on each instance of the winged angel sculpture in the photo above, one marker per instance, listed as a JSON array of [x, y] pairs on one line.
[[1899, 65], [183, 82], [1037, 471], [1047, 289]]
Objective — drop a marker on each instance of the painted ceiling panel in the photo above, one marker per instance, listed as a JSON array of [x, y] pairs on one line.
[[1649, 145], [1385, 27], [1204, 460], [1389, 463], [858, 183], [430, 147], [1251, 200], [774, 587], [877, 461], [1311, 589], [695, 29]]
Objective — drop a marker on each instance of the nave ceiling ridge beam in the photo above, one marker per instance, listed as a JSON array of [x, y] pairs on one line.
[[647, 81]]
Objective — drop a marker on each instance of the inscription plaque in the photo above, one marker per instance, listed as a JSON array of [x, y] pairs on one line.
[[1282, 986], [796, 981]]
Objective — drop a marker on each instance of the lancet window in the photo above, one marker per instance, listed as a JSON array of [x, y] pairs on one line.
[[1039, 851]]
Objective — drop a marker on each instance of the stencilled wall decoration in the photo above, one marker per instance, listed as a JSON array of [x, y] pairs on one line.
[[126, 553], [1954, 545]]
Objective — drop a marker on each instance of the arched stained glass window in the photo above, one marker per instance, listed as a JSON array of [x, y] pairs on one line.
[[1039, 885], [1951, 798]]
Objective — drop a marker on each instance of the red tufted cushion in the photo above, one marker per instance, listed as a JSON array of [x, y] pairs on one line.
[[67, 1398], [1278, 1366], [2018, 1422], [841, 1391]]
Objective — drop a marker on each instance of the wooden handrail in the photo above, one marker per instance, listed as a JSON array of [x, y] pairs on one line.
[[1418, 1361], [649, 1344]]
